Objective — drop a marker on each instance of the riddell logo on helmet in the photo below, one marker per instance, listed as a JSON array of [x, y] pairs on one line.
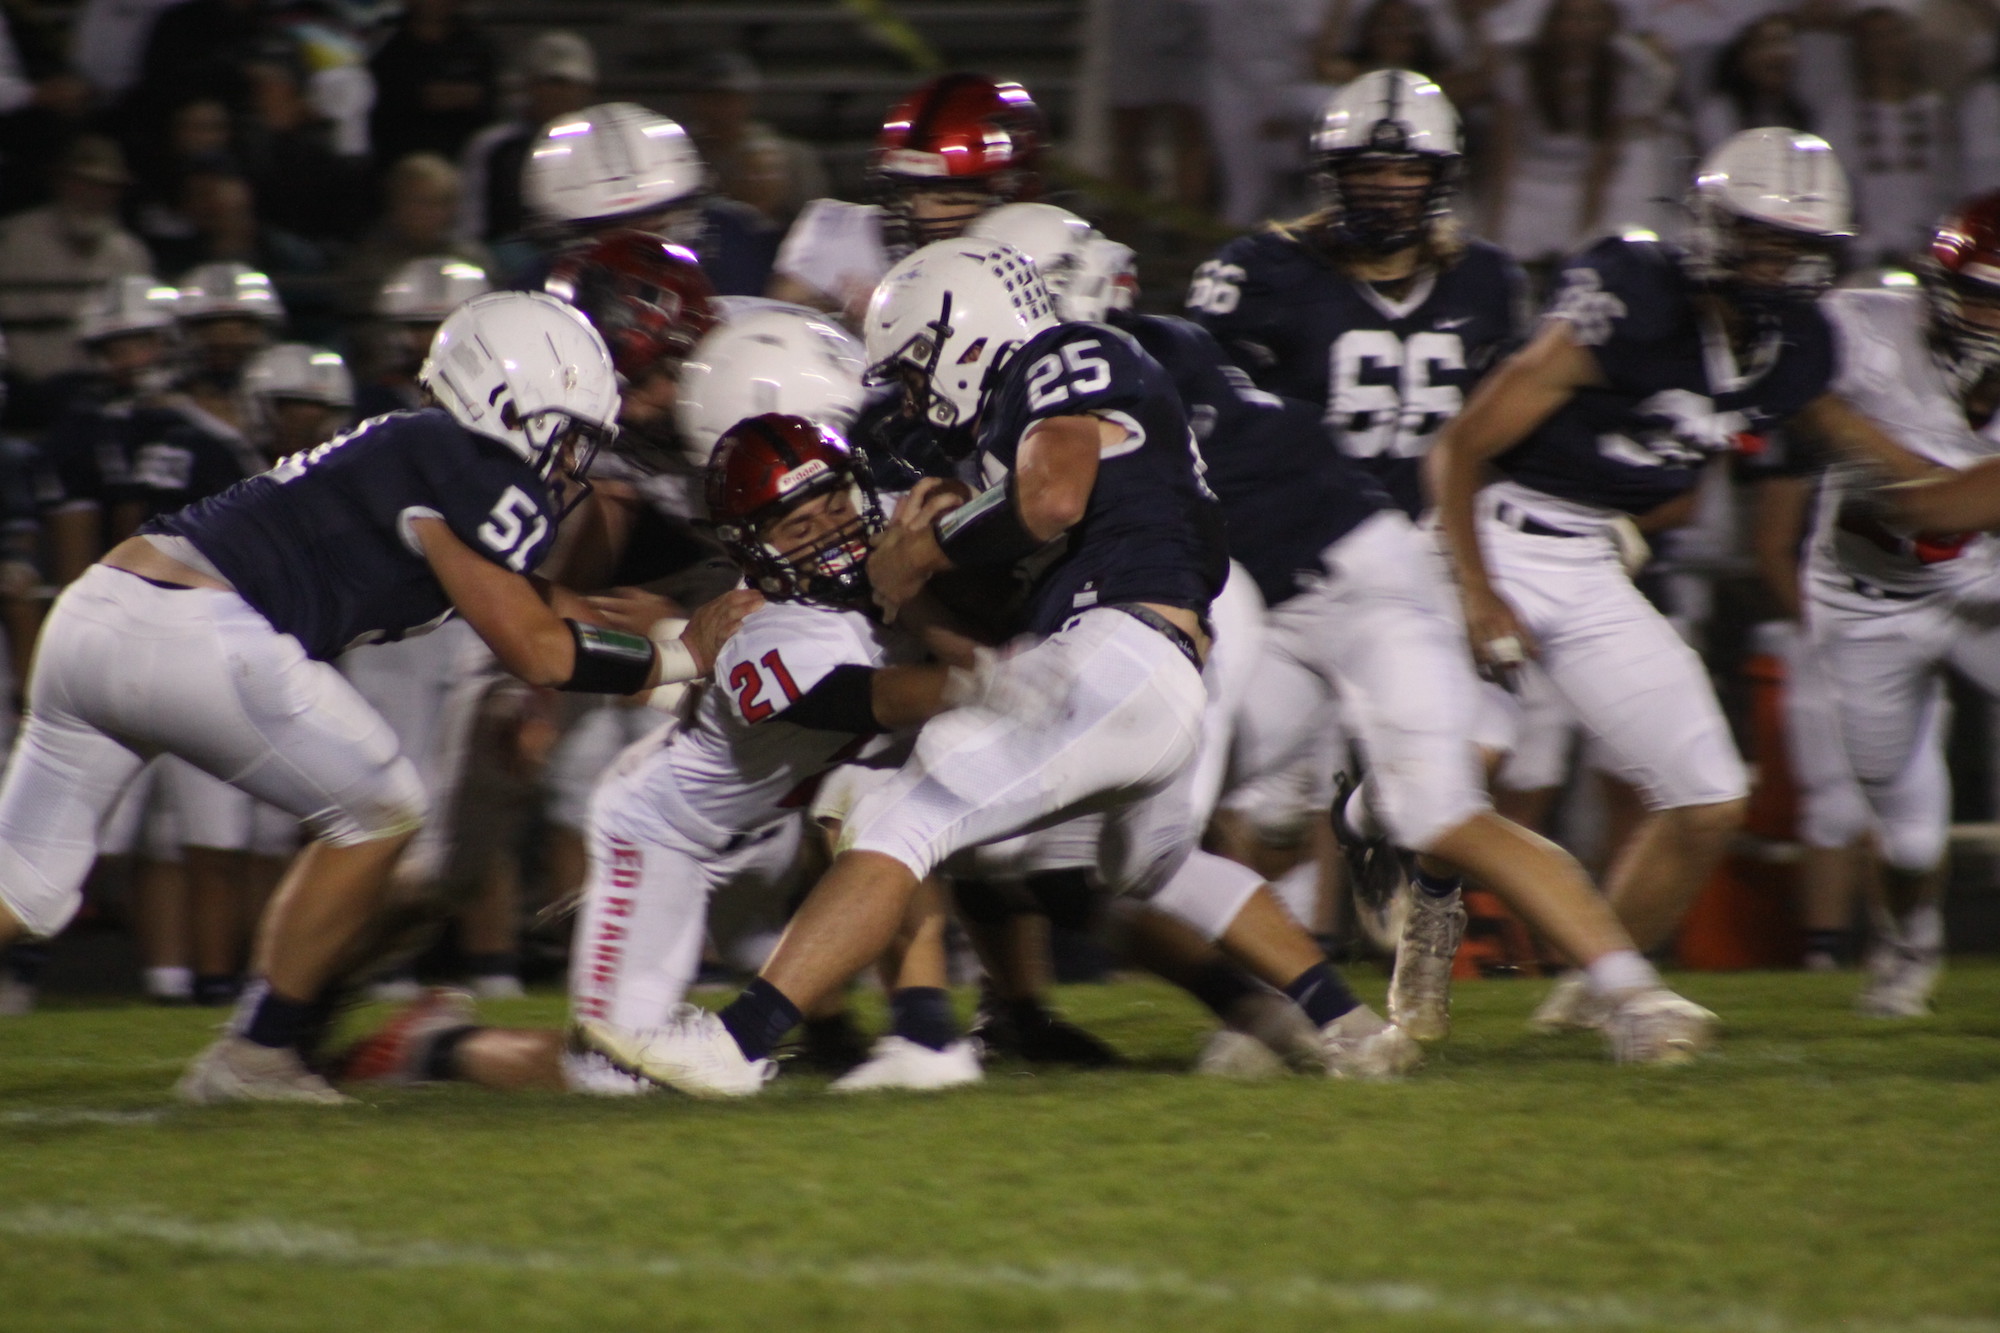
[[800, 475]]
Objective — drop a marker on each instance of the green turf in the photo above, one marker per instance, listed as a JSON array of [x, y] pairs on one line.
[[1820, 1172]]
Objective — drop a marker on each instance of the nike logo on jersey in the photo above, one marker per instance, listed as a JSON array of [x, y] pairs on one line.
[[1452, 323]]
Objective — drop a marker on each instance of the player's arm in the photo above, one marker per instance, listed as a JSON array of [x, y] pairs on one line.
[[1781, 504], [1848, 434], [1044, 496], [865, 700], [1948, 502], [1522, 392], [525, 623]]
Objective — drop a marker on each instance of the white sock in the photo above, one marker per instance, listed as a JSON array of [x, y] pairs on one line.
[[170, 983], [1922, 928], [1620, 971]]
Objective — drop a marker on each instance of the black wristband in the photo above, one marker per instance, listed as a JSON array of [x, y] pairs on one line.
[[987, 530], [608, 661]]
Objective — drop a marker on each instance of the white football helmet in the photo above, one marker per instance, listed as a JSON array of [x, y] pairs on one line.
[[1108, 280], [527, 370], [951, 314], [769, 357], [226, 291], [1789, 187], [424, 291], [136, 304], [301, 371], [1387, 115], [610, 161], [1054, 238]]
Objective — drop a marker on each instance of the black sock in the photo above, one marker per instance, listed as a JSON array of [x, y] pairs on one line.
[[1026, 1013], [276, 1021], [1437, 886], [922, 1014], [1322, 994], [440, 1062], [1832, 943], [759, 1018], [1220, 985]]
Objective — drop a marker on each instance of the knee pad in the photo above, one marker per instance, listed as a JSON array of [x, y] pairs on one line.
[[395, 805], [1207, 892], [43, 908]]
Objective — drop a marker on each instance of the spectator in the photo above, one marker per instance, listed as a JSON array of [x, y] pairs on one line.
[[221, 208], [1756, 83], [52, 257], [558, 76], [420, 206], [39, 116], [1892, 133], [1152, 84], [751, 162], [1257, 53], [434, 83], [303, 185], [1566, 107], [197, 50], [110, 39], [198, 138]]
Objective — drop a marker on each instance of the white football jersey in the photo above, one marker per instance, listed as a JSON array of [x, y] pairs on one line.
[[735, 763], [1889, 372], [836, 249]]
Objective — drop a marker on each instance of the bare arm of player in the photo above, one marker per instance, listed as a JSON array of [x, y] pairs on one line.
[[907, 696], [1774, 538], [1948, 502], [523, 622], [1056, 469], [1857, 439], [1520, 394]]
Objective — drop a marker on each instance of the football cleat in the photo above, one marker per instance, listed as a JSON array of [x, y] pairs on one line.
[[692, 1052], [236, 1069], [1232, 1054], [1420, 987], [1034, 1033], [898, 1063], [1570, 1006], [1901, 978], [396, 1051], [1362, 1044], [1657, 1027]]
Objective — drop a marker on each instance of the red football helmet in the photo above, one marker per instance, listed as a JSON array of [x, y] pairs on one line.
[[647, 296], [1962, 280], [766, 467], [958, 131]]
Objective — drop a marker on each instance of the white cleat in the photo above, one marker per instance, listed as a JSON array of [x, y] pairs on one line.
[[1420, 987], [692, 1052], [498, 986], [1657, 1027], [1363, 1044], [1900, 982], [236, 1069], [1232, 1054], [897, 1063], [1570, 1006]]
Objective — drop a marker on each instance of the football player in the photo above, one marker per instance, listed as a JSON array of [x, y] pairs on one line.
[[208, 635], [954, 148], [1375, 307], [1651, 362], [411, 304], [618, 166], [711, 805], [1076, 434], [1888, 608], [1360, 606]]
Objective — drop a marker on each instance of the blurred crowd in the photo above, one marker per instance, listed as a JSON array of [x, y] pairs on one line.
[[1582, 116]]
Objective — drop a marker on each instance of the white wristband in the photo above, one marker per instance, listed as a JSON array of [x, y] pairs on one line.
[[676, 658]]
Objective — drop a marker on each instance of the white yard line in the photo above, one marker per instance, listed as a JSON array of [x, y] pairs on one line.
[[274, 1240], [80, 1115]]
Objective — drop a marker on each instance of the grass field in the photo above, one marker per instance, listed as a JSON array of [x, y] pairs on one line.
[[1819, 1172]]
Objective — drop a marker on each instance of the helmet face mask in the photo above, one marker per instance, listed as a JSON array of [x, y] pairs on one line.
[[957, 146], [1961, 279], [1762, 263], [928, 211]]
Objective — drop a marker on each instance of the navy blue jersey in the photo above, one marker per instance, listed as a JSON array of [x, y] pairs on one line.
[[1286, 496], [1388, 373], [1151, 532], [87, 457], [181, 455], [1675, 394], [321, 544]]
